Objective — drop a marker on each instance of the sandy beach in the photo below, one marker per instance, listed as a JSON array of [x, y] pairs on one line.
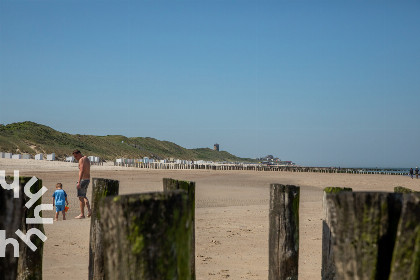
[[231, 215]]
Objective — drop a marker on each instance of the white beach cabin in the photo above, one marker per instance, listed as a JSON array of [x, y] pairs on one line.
[[51, 157]]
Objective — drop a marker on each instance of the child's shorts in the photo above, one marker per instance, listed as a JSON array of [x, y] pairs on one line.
[[59, 208]]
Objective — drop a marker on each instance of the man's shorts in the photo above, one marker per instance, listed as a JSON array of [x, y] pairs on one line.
[[83, 188], [59, 208]]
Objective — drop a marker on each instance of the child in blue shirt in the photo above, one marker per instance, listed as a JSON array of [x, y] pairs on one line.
[[59, 200]]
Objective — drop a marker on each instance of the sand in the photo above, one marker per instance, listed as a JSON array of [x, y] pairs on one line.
[[231, 215]]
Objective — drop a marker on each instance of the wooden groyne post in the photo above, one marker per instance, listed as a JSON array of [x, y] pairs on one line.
[[328, 268], [100, 188], [284, 232], [13, 215], [375, 235], [406, 256], [147, 236], [172, 184]]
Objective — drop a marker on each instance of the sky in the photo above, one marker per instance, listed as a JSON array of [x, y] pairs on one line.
[[319, 83]]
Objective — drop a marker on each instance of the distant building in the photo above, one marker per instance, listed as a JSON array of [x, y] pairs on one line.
[[216, 147], [286, 163], [39, 156], [16, 156]]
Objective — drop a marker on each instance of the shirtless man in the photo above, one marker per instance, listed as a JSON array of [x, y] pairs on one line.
[[83, 183]]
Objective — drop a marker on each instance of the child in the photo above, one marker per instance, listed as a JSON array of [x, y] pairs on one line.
[[60, 200]]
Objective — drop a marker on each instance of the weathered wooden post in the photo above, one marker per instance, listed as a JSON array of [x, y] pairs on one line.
[[147, 236], [30, 262], [328, 268], [13, 214], [406, 257], [189, 187], [284, 232], [363, 228], [100, 188]]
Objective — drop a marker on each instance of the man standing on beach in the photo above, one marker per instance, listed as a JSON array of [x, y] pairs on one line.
[[417, 172], [83, 183]]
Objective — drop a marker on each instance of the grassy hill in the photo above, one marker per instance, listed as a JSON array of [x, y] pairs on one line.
[[33, 138]]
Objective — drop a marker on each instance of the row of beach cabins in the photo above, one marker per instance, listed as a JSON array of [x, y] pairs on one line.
[[49, 157]]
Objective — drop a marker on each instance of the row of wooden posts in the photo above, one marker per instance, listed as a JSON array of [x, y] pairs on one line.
[[366, 235], [258, 167]]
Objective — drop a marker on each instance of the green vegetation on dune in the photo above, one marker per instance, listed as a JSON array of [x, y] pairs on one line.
[[33, 138]]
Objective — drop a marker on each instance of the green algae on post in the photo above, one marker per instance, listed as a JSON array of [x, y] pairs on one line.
[[337, 189], [400, 189]]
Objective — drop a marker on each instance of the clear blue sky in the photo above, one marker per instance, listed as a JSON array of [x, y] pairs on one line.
[[322, 83]]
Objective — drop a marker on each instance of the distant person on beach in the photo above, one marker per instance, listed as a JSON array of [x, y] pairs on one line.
[[83, 183], [411, 173], [59, 200], [417, 172]]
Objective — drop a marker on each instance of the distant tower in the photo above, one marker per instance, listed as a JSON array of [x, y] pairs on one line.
[[216, 147]]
